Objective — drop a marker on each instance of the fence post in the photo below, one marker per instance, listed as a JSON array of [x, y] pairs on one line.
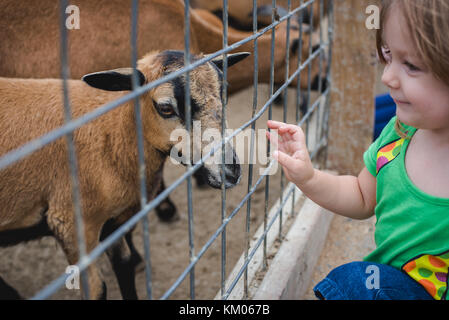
[[351, 119]]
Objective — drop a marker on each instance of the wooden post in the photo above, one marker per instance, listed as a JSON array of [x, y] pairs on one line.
[[351, 119]]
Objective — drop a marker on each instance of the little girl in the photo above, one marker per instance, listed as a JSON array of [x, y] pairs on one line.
[[405, 181]]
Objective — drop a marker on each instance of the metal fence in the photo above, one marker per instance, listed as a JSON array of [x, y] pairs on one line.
[[320, 52]]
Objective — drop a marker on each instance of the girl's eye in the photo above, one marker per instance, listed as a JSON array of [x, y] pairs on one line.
[[411, 67], [165, 110], [386, 54]]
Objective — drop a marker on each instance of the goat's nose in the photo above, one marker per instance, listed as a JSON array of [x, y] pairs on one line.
[[233, 172]]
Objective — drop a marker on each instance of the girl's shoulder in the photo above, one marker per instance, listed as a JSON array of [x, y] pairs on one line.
[[386, 146]]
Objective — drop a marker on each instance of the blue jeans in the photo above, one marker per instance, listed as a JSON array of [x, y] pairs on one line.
[[369, 281]]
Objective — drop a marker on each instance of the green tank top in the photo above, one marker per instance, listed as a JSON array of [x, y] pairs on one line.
[[412, 227]]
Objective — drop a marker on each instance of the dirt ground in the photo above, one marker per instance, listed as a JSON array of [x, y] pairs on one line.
[[29, 267]]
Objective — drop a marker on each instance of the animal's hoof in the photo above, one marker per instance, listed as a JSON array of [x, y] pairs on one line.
[[139, 267], [166, 211], [136, 262]]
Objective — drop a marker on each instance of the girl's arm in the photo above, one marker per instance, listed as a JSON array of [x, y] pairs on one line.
[[353, 197], [349, 196]]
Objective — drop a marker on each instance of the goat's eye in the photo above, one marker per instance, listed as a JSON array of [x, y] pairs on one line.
[[165, 110]]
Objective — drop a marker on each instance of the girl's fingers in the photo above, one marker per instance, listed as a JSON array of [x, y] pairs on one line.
[[282, 128], [274, 138], [276, 141], [287, 138], [274, 124], [285, 160], [292, 131]]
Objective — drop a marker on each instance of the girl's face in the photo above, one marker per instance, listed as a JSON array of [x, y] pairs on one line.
[[422, 100]]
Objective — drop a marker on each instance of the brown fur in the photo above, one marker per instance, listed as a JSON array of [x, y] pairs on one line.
[[243, 10], [38, 186], [30, 38]]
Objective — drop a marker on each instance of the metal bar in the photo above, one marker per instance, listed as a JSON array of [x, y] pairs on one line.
[[188, 108], [309, 70], [251, 153], [140, 149], [285, 101], [330, 31], [73, 163], [223, 147], [270, 116], [320, 67], [298, 84], [299, 99]]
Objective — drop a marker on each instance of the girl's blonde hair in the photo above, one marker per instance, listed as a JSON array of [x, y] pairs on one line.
[[428, 25]]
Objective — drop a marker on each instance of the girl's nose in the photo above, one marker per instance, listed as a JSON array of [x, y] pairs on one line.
[[389, 77]]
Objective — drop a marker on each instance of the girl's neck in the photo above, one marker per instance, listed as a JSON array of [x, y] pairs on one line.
[[437, 138]]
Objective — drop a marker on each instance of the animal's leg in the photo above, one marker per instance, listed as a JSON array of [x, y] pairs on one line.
[[166, 210], [136, 260], [123, 261], [63, 227]]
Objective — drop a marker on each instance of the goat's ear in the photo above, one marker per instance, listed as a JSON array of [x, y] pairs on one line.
[[232, 59], [114, 80]]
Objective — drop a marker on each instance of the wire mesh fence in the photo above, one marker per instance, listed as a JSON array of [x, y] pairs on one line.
[[312, 114]]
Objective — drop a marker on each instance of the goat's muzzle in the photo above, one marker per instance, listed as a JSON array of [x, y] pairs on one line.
[[232, 173]]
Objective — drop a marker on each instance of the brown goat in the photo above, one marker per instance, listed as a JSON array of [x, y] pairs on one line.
[[30, 37], [35, 193], [241, 12]]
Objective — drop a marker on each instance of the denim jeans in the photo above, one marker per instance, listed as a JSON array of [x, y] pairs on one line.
[[369, 281]]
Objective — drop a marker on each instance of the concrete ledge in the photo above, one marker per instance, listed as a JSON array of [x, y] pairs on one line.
[[290, 272], [238, 292]]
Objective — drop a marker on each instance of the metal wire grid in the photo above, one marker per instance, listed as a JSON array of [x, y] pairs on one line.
[[72, 124]]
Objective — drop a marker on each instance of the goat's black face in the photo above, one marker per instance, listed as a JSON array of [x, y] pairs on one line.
[[205, 104]]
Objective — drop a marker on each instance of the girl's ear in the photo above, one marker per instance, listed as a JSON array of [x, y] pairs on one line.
[[114, 80], [232, 59]]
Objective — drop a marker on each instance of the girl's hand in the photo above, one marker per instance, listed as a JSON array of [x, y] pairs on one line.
[[291, 152]]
